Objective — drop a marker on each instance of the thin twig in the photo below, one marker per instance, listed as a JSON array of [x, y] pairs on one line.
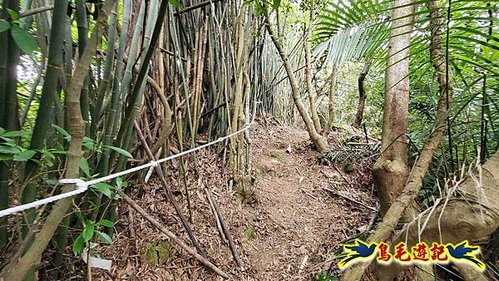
[[351, 199], [196, 6], [35, 11]]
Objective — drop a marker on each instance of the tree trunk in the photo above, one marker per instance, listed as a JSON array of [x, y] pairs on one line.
[[49, 94], [362, 95], [308, 73], [390, 170], [330, 103], [319, 141], [415, 180], [471, 213]]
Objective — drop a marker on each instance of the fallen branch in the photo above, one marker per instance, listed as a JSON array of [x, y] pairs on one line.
[[225, 228], [351, 199], [171, 235], [217, 219]]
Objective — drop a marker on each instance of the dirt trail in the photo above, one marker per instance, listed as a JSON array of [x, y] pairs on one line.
[[306, 222], [289, 231]]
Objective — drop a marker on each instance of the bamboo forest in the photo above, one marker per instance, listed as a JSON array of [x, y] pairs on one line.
[[311, 140]]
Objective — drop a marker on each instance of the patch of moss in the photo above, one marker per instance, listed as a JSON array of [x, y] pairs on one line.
[[249, 232], [157, 252], [279, 155]]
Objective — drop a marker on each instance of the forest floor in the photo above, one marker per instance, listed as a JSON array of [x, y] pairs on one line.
[[291, 230]]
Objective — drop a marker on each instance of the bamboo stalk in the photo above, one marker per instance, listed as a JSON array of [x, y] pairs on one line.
[[75, 152]]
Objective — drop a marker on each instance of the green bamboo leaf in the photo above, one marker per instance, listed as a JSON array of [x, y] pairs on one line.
[[78, 245], [103, 188], [15, 134], [4, 25], [25, 41], [24, 155], [106, 223], [85, 167], [63, 132], [120, 151], [8, 149], [106, 238], [88, 231], [13, 14], [88, 143]]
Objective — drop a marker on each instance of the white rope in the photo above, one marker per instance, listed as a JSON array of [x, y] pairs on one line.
[[82, 186]]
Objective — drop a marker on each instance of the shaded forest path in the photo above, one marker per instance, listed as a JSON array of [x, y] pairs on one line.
[[290, 230], [302, 222]]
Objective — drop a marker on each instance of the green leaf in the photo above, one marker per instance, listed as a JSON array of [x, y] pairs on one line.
[[15, 134], [24, 155], [120, 151], [85, 167], [103, 188], [13, 14], [88, 143], [63, 132], [106, 223], [46, 153], [78, 245], [25, 41], [5, 157], [106, 238], [88, 231], [8, 149], [4, 25], [176, 3], [276, 4], [56, 151], [120, 183]]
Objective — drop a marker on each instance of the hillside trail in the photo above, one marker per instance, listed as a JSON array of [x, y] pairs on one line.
[[290, 230], [306, 220]]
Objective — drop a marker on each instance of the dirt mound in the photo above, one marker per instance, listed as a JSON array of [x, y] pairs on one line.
[[291, 230]]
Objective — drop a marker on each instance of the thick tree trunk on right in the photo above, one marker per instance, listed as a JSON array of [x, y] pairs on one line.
[[415, 180], [472, 213], [390, 170]]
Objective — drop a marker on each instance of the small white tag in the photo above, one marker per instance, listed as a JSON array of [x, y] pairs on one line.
[[96, 262]]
